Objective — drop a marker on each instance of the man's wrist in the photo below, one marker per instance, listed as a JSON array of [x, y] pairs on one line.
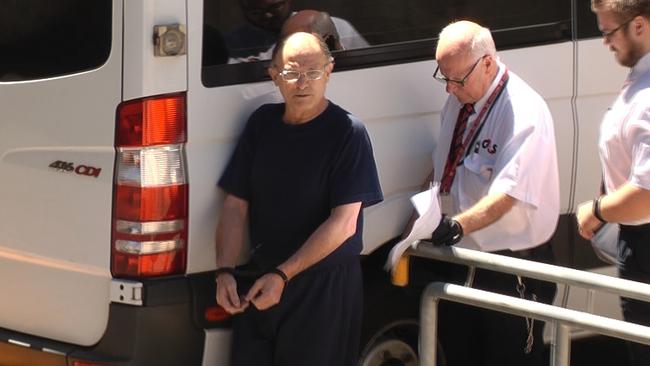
[[457, 227], [596, 209], [224, 270], [280, 273]]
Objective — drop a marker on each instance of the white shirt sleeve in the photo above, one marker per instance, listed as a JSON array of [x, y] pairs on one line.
[[349, 36], [637, 133]]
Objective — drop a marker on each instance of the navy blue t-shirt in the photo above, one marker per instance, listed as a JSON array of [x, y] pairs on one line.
[[293, 175]]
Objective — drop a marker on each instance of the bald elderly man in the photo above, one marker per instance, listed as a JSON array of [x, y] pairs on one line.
[[496, 165], [313, 21], [298, 180]]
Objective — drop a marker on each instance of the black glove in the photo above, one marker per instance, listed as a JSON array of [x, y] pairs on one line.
[[448, 232]]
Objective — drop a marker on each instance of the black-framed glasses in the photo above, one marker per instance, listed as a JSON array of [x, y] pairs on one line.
[[443, 79], [294, 75], [607, 34]]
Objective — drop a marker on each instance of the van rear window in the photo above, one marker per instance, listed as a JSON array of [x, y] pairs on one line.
[[45, 38]]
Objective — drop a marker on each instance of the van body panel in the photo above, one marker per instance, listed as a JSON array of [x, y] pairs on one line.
[[145, 74], [56, 221]]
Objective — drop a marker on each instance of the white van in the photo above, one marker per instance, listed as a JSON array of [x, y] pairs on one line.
[[118, 116]]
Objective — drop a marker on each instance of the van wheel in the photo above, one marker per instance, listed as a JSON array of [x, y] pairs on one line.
[[397, 345], [394, 345]]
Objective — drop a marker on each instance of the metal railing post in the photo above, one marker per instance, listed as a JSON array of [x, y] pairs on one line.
[[428, 330], [561, 346]]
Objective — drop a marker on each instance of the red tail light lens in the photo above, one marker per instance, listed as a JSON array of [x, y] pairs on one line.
[[150, 203], [152, 121]]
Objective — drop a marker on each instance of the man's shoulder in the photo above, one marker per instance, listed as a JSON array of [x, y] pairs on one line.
[[344, 119], [522, 95], [641, 89], [270, 109], [264, 113]]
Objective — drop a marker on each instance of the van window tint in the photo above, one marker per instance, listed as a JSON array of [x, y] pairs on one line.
[[587, 24], [239, 34], [44, 38]]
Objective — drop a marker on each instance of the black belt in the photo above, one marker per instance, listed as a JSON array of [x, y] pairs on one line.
[[531, 253], [635, 228]]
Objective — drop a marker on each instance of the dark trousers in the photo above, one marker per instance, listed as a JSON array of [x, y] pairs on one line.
[[634, 255], [316, 323], [475, 336]]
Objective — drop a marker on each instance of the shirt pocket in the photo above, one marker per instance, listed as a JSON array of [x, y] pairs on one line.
[[480, 166]]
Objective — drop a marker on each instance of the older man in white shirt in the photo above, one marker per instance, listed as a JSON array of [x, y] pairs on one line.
[[497, 168]]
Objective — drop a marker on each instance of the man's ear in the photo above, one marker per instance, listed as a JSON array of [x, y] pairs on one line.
[[489, 60], [273, 74], [330, 67], [640, 24]]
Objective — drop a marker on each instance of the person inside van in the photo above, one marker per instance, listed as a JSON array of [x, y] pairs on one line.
[[313, 21], [265, 18], [496, 166], [298, 180], [624, 147]]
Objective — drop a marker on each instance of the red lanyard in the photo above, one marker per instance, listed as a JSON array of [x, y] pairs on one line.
[[451, 170]]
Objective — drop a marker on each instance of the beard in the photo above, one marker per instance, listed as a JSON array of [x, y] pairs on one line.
[[633, 54]]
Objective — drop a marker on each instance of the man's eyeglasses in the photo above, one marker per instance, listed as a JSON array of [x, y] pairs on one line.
[[293, 75], [443, 79], [607, 34]]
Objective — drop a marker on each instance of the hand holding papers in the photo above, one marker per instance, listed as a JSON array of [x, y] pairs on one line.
[[427, 204]]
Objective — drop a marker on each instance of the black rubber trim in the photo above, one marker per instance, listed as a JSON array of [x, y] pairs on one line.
[[141, 336]]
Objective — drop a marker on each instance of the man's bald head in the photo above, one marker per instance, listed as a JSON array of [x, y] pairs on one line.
[[465, 37], [467, 60], [300, 43]]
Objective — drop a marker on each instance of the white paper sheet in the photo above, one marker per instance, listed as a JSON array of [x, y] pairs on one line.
[[427, 204]]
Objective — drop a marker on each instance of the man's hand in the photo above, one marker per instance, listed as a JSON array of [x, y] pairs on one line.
[[587, 222], [227, 296], [266, 291], [448, 232]]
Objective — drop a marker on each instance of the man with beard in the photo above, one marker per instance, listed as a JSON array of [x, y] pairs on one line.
[[624, 146]]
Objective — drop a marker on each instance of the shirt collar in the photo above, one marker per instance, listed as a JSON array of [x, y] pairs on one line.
[[501, 69], [641, 67]]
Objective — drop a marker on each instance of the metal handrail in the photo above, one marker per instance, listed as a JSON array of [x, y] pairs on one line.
[[562, 318], [532, 269]]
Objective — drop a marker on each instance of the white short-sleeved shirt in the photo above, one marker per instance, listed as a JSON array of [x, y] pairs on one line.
[[514, 153], [624, 142]]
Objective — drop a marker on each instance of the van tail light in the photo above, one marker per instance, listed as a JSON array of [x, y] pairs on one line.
[[87, 363], [150, 199]]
